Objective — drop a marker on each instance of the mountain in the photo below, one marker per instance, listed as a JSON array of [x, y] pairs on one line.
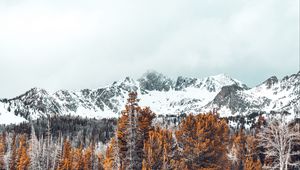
[[271, 95], [162, 94]]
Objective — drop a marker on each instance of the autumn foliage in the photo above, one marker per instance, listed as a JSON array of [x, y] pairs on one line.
[[199, 142]]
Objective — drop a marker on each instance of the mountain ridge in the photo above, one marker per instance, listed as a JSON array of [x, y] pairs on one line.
[[163, 95]]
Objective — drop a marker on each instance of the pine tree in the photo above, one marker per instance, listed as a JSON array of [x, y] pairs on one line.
[[238, 150], [2, 151], [34, 150], [87, 158], [133, 128], [43, 154], [251, 164], [100, 161], [202, 140], [57, 153], [13, 156], [23, 158], [110, 161], [7, 156], [47, 149], [77, 163], [252, 160], [66, 160], [118, 150], [159, 150], [133, 159], [153, 150]]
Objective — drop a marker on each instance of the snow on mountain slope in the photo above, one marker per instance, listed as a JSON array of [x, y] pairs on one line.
[[163, 95], [188, 95], [280, 92], [271, 95], [7, 118]]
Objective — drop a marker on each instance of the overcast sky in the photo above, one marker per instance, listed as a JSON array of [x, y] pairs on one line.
[[71, 44]]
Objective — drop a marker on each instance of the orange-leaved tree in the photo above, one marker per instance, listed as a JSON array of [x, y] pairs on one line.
[[126, 149], [23, 158], [66, 160], [202, 141], [160, 150]]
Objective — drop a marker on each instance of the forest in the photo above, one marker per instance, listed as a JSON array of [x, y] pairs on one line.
[[135, 141]]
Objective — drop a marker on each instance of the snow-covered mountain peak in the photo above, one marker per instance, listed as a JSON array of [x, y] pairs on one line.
[[127, 81], [270, 82], [152, 80], [38, 92], [163, 95], [225, 80], [271, 95], [215, 83], [222, 77], [211, 83]]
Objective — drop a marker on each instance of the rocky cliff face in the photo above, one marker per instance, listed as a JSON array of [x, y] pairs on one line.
[[164, 96]]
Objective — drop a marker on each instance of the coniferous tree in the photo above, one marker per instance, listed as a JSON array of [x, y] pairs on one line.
[[66, 160], [13, 156], [23, 158], [77, 163], [2, 151], [87, 158], [202, 140], [7, 156], [100, 165], [251, 164], [57, 153], [34, 150], [47, 149], [133, 128], [237, 151], [159, 150], [252, 160], [111, 161]]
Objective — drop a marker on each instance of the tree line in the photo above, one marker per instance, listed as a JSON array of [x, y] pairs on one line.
[[200, 141]]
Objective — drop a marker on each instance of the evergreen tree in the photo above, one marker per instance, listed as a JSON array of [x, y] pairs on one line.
[[133, 159], [251, 164], [7, 156], [77, 163], [100, 165], [202, 140], [133, 128], [238, 150], [159, 150], [57, 153], [13, 156], [66, 160], [252, 156], [34, 150], [111, 157], [88, 158], [2, 151], [23, 158]]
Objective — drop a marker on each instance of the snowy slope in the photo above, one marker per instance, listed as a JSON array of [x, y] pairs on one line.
[[9, 118], [162, 94], [271, 95], [186, 97]]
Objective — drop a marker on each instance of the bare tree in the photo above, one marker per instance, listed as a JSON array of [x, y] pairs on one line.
[[133, 158], [279, 138], [34, 150]]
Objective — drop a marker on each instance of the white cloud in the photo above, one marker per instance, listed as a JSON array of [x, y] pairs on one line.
[[79, 44]]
